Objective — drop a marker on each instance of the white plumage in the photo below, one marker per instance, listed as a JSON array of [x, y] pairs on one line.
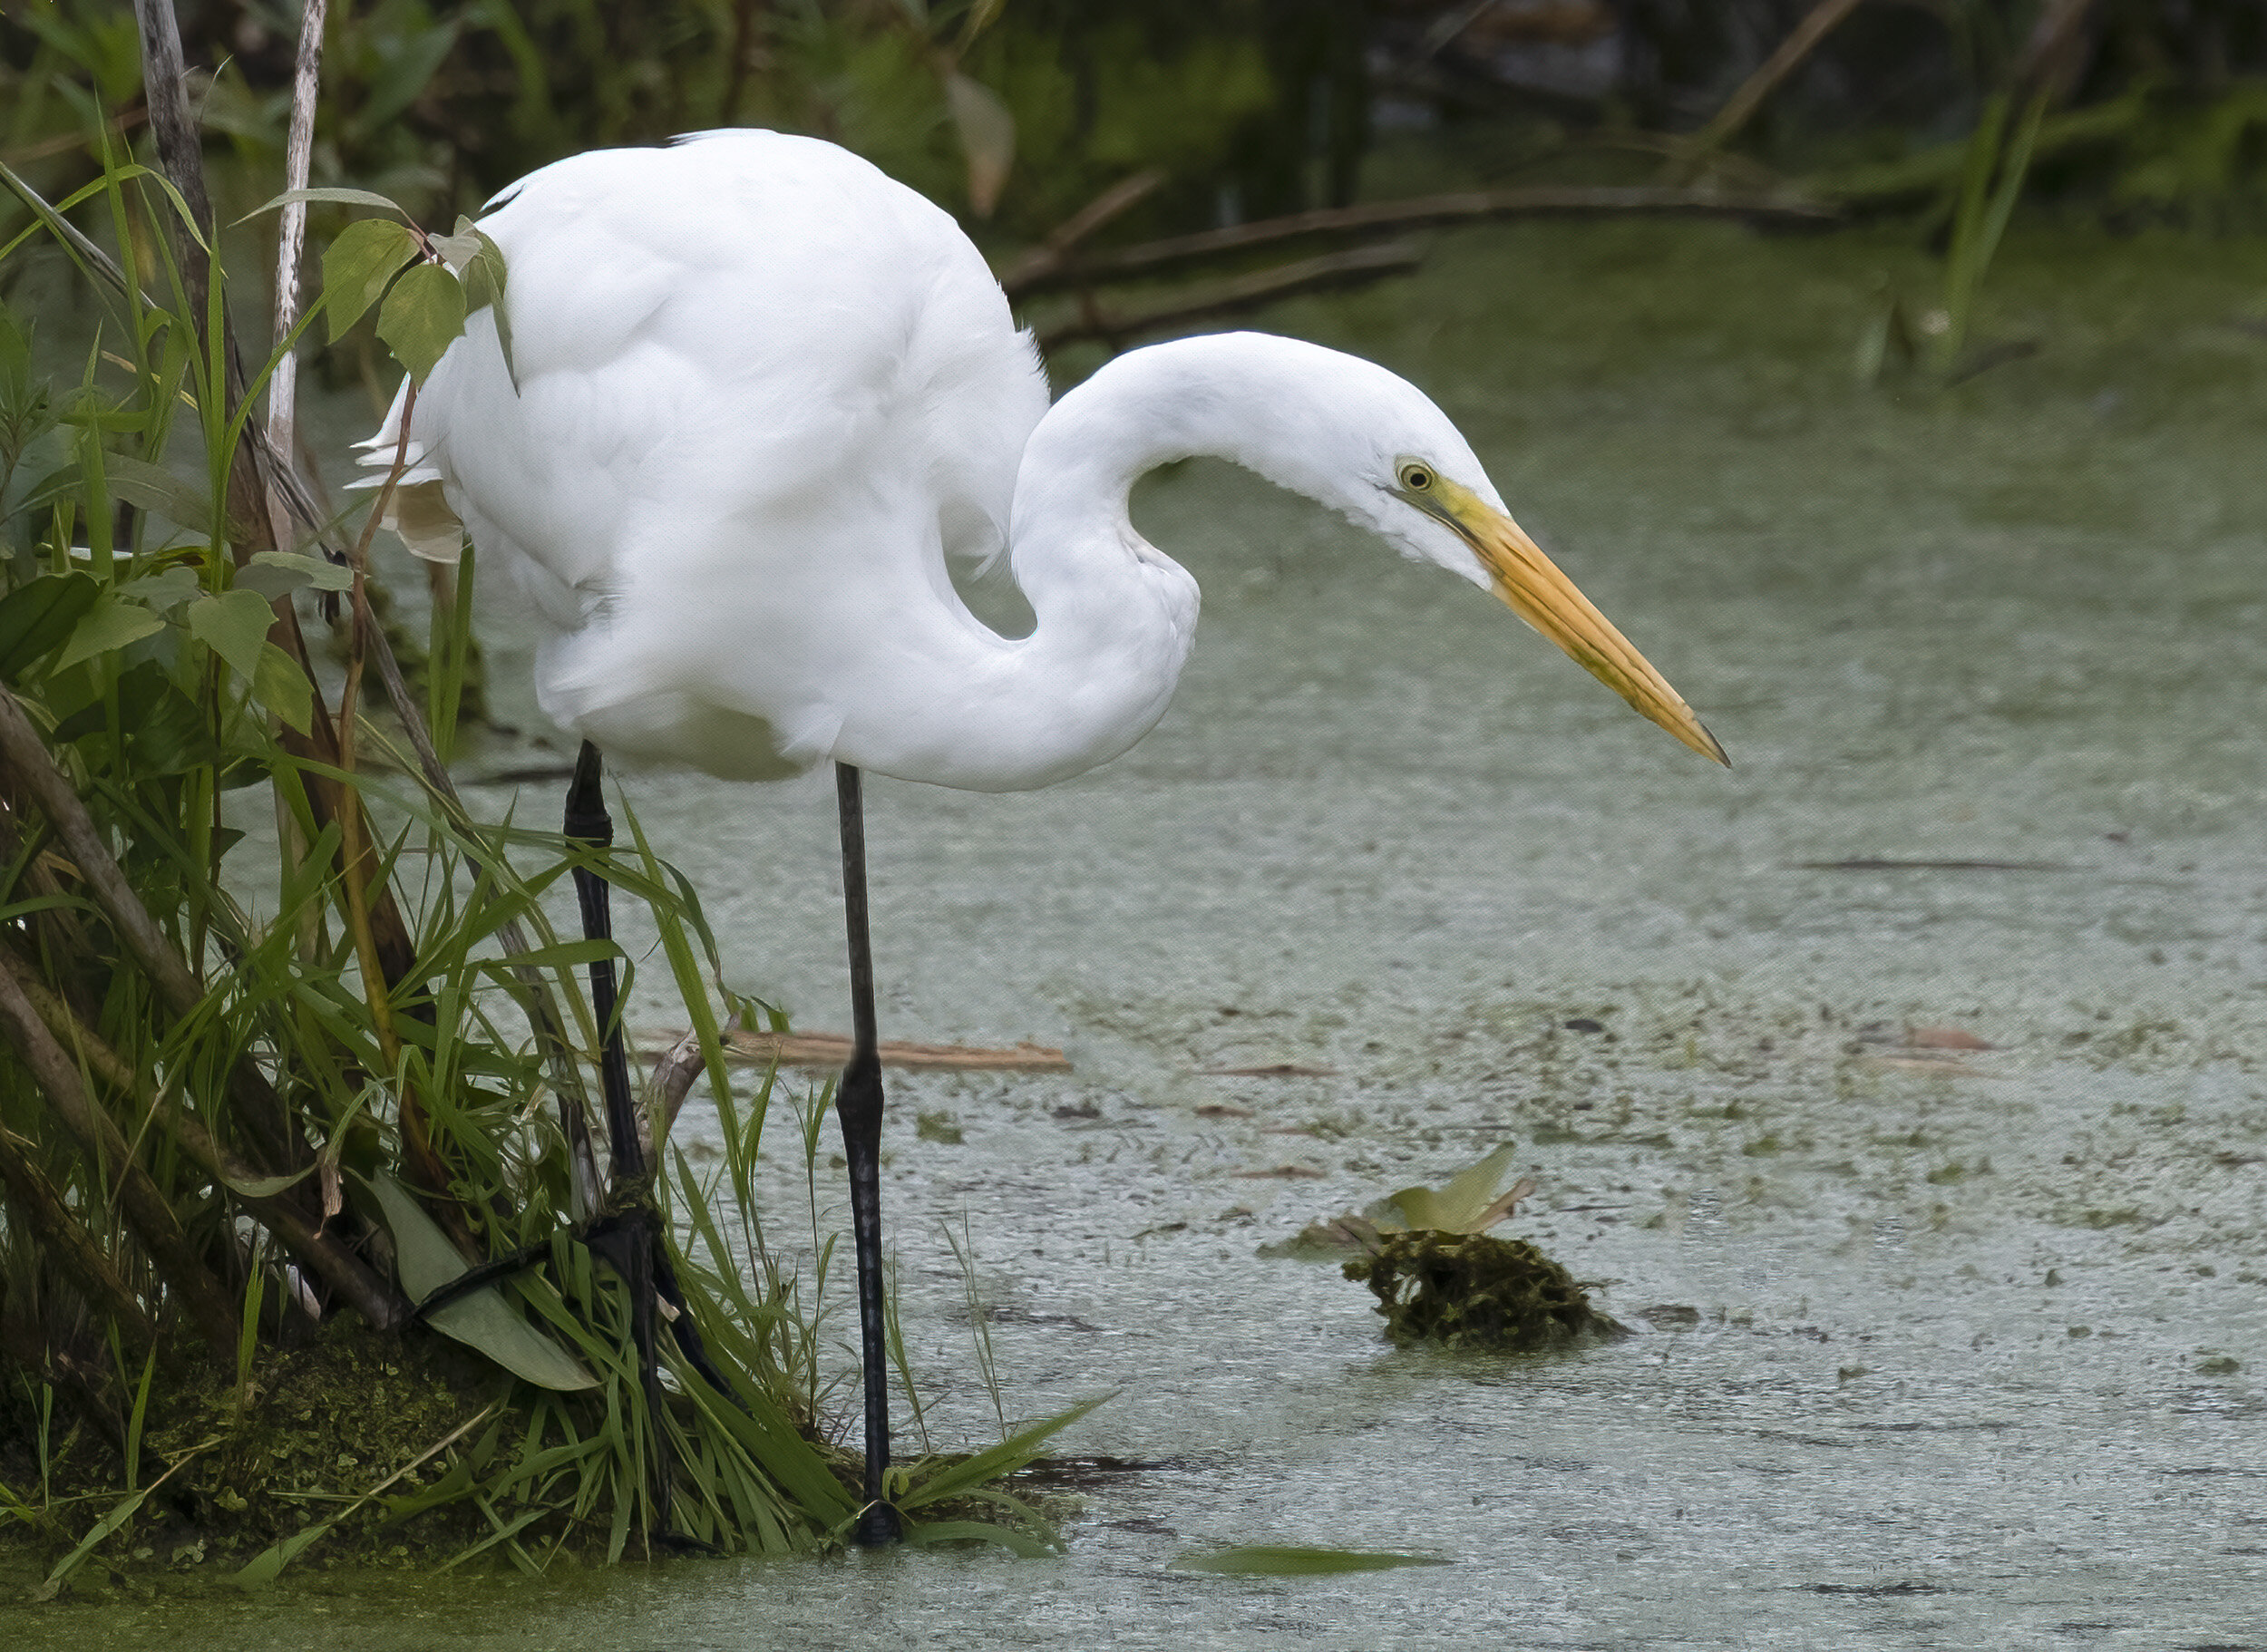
[[764, 393]]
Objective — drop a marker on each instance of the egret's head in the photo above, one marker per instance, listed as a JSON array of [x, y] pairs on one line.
[[1353, 435], [1419, 484]]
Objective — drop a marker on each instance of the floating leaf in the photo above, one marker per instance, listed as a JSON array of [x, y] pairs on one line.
[[110, 623], [422, 317], [1465, 1204], [1285, 1560], [234, 625], [39, 615], [1462, 1206], [482, 1320], [357, 266], [279, 685]]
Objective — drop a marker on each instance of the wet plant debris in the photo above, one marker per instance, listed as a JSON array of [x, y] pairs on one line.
[[1468, 1290], [1437, 1275]]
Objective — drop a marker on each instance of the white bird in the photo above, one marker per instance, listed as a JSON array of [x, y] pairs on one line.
[[760, 396]]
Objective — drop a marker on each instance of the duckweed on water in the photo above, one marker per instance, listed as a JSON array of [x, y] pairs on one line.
[[1466, 1290]]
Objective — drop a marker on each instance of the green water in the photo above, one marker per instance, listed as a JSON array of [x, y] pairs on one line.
[[1974, 1358]]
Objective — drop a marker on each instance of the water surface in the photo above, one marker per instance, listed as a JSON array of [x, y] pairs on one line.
[[1976, 1353]]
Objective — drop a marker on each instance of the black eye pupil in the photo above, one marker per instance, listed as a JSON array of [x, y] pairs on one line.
[[1419, 479]]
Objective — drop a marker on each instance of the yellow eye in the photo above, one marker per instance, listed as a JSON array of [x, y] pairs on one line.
[[1416, 478]]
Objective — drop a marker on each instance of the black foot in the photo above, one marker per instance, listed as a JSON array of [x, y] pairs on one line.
[[879, 1525]]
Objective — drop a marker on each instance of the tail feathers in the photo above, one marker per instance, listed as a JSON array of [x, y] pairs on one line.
[[418, 512], [379, 452]]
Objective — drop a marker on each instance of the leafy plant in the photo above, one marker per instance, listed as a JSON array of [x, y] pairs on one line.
[[241, 1102]]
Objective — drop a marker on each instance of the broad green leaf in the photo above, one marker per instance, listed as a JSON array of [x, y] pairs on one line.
[[234, 625], [327, 192], [152, 487], [484, 286], [110, 623], [273, 573], [483, 1320], [422, 317], [36, 618], [456, 247], [279, 685], [357, 266], [1285, 1560], [164, 588]]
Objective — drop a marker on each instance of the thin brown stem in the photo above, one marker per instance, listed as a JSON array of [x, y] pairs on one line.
[[112, 1167], [62, 1237], [347, 1273], [1740, 108]]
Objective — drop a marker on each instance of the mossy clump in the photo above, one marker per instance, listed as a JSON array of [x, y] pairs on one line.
[[1467, 1290]]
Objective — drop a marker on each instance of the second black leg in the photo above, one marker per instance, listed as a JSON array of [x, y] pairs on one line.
[[858, 1105], [628, 1235]]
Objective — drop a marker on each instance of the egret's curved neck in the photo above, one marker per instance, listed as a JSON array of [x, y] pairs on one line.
[[1115, 617]]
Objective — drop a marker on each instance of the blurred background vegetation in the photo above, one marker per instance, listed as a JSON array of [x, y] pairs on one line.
[[1016, 112]]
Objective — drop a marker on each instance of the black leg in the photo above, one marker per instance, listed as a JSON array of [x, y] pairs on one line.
[[587, 820], [629, 1235], [858, 1104]]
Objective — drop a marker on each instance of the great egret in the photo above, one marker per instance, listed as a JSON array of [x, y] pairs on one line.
[[759, 393]]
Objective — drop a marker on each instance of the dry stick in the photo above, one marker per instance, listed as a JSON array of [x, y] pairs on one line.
[[832, 1050], [112, 1161], [665, 1089], [181, 158], [282, 387], [329, 1256], [1336, 269], [1740, 108], [62, 1237], [25, 756], [1461, 207], [1106, 206], [291, 232]]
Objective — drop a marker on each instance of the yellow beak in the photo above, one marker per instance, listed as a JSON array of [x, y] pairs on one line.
[[1533, 588]]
